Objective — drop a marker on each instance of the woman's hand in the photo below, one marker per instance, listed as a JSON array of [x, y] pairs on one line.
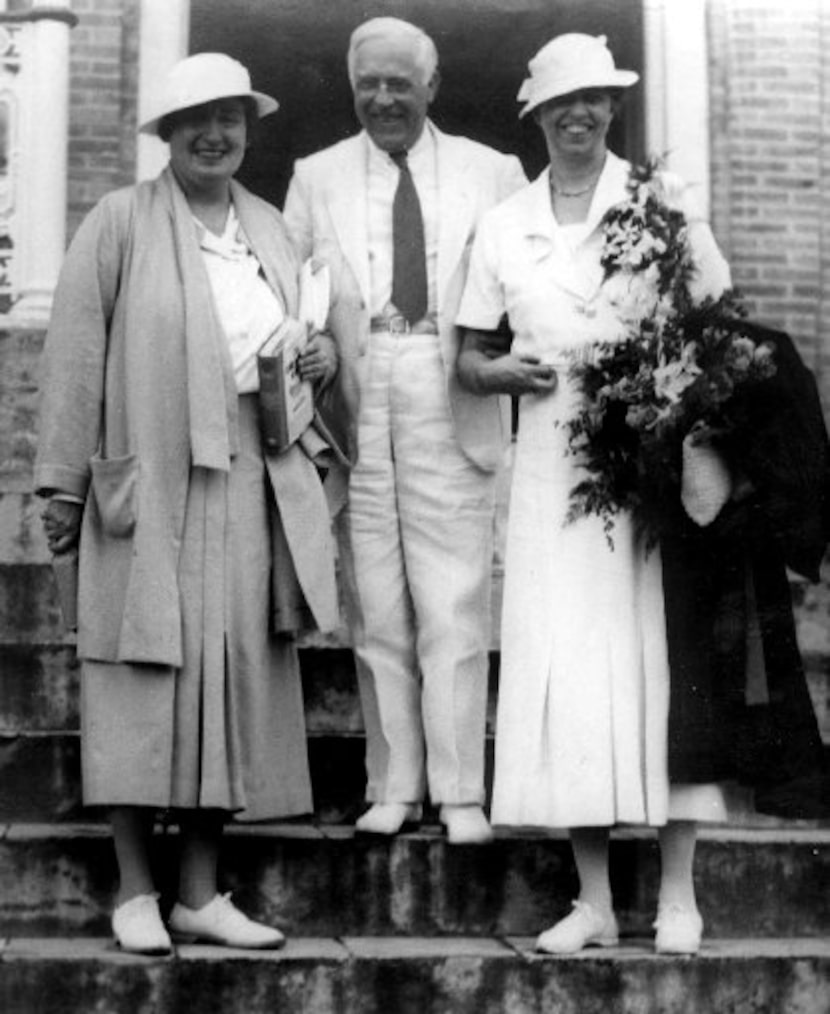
[[318, 360], [62, 524]]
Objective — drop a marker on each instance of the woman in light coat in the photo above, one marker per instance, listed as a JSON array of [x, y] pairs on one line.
[[198, 555]]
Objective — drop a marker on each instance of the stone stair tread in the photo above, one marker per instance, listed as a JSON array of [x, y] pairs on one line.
[[311, 879], [414, 975], [816, 833], [397, 948]]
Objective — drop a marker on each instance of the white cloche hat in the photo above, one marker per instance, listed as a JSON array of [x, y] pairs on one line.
[[568, 64], [202, 78]]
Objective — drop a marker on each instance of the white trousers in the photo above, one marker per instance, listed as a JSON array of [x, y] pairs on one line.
[[420, 521]]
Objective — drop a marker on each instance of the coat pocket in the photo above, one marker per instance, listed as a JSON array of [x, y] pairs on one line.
[[114, 482]]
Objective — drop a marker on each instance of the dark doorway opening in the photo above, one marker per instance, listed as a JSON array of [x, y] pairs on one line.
[[296, 51]]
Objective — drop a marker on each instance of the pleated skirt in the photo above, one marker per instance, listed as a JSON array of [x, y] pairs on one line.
[[226, 731], [582, 724]]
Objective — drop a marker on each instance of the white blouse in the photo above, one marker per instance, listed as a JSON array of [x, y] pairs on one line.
[[247, 307]]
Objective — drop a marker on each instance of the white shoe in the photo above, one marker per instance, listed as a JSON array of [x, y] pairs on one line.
[[388, 818], [138, 928], [679, 930], [466, 825], [586, 925], [221, 922]]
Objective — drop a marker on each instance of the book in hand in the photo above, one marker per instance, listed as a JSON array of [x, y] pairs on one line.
[[286, 403]]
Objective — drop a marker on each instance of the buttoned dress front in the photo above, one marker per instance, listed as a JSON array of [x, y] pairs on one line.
[[581, 734]]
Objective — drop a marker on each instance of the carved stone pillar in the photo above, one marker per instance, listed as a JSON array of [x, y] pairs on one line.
[[165, 28], [34, 124]]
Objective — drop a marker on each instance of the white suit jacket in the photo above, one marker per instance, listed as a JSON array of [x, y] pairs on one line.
[[326, 211]]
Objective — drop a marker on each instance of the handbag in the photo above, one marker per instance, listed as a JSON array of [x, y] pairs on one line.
[[706, 483]]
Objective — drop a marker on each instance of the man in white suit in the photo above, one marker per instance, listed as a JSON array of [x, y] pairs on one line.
[[396, 207]]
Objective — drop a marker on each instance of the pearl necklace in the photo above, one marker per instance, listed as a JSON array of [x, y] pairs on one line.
[[573, 193]]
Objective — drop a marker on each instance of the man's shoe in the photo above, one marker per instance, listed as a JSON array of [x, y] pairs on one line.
[[585, 926], [679, 930], [221, 922], [466, 825], [388, 819], [138, 928]]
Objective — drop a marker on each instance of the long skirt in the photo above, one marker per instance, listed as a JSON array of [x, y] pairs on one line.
[[581, 734], [226, 731]]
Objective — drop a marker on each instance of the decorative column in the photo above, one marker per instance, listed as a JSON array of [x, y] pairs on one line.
[[165, 34], [677, 91], [34, 127]]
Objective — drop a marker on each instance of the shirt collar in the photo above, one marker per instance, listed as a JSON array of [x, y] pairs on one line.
[[422, 150], [231, 244]]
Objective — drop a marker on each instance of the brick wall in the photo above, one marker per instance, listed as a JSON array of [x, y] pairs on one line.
[[103, 90], [770, 135]]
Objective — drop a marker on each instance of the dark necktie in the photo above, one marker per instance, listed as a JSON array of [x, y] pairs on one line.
[[409, 265]]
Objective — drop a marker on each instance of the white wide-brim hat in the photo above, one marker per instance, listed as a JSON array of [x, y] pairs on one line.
[[568, 64], [202, 78]]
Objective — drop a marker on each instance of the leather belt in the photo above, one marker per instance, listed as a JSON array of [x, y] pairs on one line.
[[397, 324]]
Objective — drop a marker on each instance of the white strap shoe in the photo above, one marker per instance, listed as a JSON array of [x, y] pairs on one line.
[[585, 926], [138, 928], [679, 930], [466, 825], [388, 819], [221, 922]]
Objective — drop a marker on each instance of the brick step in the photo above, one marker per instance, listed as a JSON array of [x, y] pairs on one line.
[[314, 880], [360, 975]]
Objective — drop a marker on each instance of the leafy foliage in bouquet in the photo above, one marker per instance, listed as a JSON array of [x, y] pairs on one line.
[[681, 369], [646, 234]]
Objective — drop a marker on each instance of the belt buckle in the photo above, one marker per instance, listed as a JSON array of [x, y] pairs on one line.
[[398, 324]]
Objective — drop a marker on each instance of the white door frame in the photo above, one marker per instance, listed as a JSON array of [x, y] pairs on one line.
[[676, 80]]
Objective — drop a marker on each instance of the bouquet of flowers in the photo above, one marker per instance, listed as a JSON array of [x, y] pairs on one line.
[[673, 384]]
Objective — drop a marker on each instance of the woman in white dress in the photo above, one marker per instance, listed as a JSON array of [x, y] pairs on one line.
[[584, 695]]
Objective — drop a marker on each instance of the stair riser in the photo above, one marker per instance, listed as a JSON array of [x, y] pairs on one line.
[[314, 884], [40, 778], [39, 689], [506, 983]]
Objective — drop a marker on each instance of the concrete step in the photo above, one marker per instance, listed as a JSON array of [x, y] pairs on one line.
[[40, 778], [40, 692], [39, 746], [313, 880], [39, 687], [40, 750], [360, 975]]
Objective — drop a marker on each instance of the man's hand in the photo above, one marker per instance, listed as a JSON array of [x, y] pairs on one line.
[[62, 524], [517, 375], [318, 361]]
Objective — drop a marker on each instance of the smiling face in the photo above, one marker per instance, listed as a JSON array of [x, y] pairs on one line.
[[575, 125], [391, 93], [207, 142]]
